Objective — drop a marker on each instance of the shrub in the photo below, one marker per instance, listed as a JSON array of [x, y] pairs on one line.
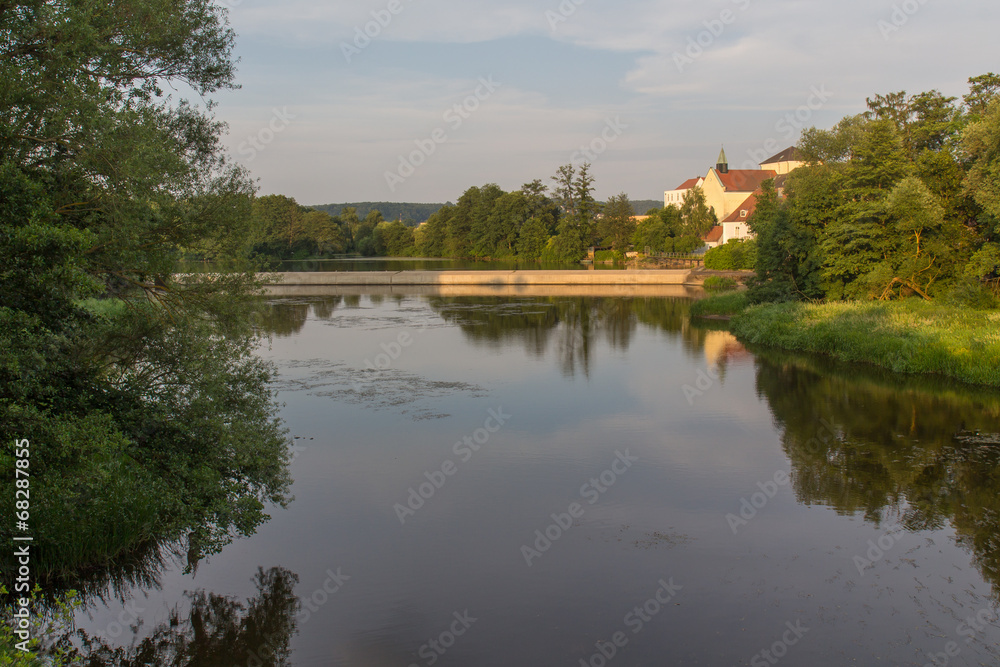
[[718, 283], [733, 256]]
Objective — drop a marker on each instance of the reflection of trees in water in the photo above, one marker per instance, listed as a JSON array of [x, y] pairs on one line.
[[216, 631], [918, 448], [570, 326], [284, 318]]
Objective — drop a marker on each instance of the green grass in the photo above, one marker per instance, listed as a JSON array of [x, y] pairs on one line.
[[910, 336], [726, 304], [719, 283]]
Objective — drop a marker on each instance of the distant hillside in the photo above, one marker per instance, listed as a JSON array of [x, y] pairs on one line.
[[640, 206], [412, 214]]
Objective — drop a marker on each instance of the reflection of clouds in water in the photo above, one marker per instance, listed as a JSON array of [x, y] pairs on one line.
[[379, 322], [377, 389]]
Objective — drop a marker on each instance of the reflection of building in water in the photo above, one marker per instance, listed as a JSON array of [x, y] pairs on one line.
[[722, 346]]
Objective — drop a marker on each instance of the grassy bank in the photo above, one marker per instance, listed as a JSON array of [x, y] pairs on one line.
[[726, 304], [910, 336]]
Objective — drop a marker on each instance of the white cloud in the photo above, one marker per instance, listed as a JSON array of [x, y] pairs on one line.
[[354, 123]]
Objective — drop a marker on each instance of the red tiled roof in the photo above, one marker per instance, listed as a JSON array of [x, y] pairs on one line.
[[745, 180], [714, 235], [688, 184], [750, 205]]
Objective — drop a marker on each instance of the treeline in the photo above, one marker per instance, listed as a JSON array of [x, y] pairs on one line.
[[537, 222], [901, 200], [409, 214], [285, 229], [555, 223]]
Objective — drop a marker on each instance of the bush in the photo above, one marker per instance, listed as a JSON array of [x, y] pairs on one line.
[[733, 256], [718, 283], [608, 256], [728, 304]]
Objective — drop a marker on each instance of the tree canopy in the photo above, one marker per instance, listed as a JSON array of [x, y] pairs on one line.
[[900, 200], [149, 415]]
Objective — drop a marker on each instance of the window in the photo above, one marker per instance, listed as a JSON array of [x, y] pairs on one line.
[[743, 213]]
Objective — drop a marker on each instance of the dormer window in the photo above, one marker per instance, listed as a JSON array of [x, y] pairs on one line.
[[743, 213]]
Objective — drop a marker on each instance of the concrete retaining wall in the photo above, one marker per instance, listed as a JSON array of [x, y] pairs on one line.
[[489, 278]]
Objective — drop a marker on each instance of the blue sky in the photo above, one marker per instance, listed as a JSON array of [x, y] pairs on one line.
[[650, 88]]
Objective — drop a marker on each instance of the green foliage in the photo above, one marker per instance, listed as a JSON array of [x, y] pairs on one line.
[[409, 214], [719, 283], [156, 419], [285, 230], [908, 336], [720, 305], [48, 645], [394, 239], [898, 201], [736, 255], [687, 244], [617, 226], [608, 256], [696, 219]]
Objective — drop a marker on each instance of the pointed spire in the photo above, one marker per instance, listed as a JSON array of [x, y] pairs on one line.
[[722, 166]]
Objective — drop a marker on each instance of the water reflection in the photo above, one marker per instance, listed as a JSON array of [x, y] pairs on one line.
[[569, 326], [212, 631], [919, 451]]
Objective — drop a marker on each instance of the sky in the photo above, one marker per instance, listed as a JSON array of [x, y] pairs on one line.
[[416, 101]]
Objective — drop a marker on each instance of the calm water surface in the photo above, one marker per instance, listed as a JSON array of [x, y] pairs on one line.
[[527, 481]]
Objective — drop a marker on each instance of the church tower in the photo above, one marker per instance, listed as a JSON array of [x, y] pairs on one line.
[[722, 166]]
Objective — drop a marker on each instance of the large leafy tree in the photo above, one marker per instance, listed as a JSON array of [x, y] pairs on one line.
[[617, 226], [696, 218], [149, 416]]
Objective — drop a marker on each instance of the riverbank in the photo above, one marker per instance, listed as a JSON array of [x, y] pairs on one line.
[[910, 336], [491, 278]]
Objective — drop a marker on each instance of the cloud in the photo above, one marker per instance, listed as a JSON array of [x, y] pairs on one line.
[[759, 60]]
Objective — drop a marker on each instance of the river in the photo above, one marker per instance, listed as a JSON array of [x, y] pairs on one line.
[[560, 480]]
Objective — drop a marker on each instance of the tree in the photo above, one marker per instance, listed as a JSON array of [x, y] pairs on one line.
[[433, 240], [533, 238], [618, 224], [323, 230], [564, 192], [153, 419], [982, 90], [394, 239], [696, 218], [586, 206], [278, 221]]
